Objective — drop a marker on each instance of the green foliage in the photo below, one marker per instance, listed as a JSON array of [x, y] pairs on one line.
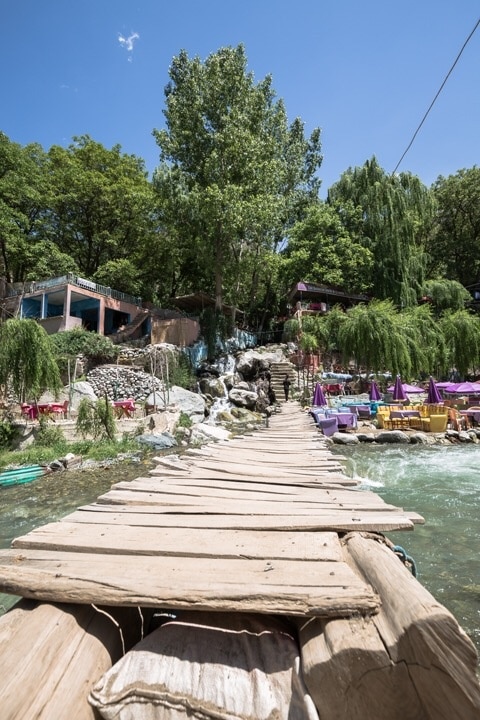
[[7, 434], [454, 250], [214, 326], [397, 214], [462, 331], [184, 421], [27, 363], [82, 342], [50, 435], [371, 335], [291, 330], [232, 173], [96, 419], [182, 374], [446, 294]]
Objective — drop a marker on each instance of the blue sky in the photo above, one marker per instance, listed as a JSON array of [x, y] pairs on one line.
[[364, 72]]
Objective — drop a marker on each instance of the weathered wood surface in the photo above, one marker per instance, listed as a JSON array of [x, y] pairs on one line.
[[326, 588], [412, 654], [53, 654], [177, 539]]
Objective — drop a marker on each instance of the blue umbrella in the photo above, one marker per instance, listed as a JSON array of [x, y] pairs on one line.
[[433, 396], [318, 396], [374, 392]]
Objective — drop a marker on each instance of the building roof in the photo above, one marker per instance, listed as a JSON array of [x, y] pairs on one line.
[[196, 302], [316, 290]]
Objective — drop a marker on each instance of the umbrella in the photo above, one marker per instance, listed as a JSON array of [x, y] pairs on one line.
[[374, 392], [464, 388], [398, 391], [406, 388], [433, 396], [318, 396]]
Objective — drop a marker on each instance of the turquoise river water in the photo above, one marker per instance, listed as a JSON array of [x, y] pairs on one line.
[[442, 483]]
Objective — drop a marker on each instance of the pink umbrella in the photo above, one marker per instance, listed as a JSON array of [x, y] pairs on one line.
[[374, 392], [433, 396], [318, 396]]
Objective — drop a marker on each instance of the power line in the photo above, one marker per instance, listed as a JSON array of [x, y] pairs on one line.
[[436, 96]]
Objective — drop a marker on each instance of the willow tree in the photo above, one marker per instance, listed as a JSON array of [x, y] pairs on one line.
[[231, 169], [397, 214], [461, 330], [371, 335], [425, 340], [27, 362]]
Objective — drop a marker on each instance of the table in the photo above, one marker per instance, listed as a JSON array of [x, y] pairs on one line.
[[402, 418], [345, 419], [124, 408], [46, 409]]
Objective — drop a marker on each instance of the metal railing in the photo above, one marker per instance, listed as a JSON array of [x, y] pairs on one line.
[[71, 279]]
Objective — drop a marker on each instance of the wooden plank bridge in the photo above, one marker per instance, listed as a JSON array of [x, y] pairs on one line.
[[248, 525], [266, 523]]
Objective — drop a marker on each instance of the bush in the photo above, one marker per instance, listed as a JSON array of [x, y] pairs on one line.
[[96, 419], [50, 435], [7, 434], [79, 341]]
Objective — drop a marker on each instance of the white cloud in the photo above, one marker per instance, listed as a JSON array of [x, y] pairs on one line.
[[127, 42]]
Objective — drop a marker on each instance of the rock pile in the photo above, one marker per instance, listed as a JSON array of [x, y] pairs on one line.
[[119, 382]]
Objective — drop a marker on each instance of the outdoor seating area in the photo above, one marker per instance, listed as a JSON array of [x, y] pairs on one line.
[[50, 411]]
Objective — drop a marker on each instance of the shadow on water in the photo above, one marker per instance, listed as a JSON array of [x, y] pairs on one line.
[[441, 483]]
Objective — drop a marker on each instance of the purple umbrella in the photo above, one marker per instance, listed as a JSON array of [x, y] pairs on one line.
[[433, 396], [398, 391], [407, 388], [374, 392], [464, 388], [318, 396]]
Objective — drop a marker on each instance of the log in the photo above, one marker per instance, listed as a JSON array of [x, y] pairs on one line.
[[425, 652], [52, 655]]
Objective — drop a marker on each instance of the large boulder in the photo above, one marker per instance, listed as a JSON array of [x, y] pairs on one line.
[[252, 363], [212, 386], [243, 398], [157, 442], [192, 404], [393, 436]]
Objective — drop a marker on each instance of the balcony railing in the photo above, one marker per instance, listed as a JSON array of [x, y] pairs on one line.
[[70, 279]]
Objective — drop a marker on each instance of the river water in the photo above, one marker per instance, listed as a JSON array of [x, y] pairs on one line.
[[24, 507], [442, 483]]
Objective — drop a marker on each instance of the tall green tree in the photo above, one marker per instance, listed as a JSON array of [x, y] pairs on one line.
[[231, 171], [320, 249], [24, 206], [102, 207], [454, 251], [27, 362], [397, 213]]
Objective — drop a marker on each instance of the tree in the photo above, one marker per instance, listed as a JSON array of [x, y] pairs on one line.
[[397, 213], [445, 295], [102, 206], [462, 331], [372, 336], [232, 172], [455, 248], [320, 249], [27, 363]]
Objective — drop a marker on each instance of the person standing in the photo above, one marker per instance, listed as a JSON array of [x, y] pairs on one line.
[[286, 387]]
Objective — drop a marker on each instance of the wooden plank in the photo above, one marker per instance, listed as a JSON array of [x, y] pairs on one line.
[[215, 498], [327, 589], [198, 542], [326, 479], [259, 491], [329, 520]]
